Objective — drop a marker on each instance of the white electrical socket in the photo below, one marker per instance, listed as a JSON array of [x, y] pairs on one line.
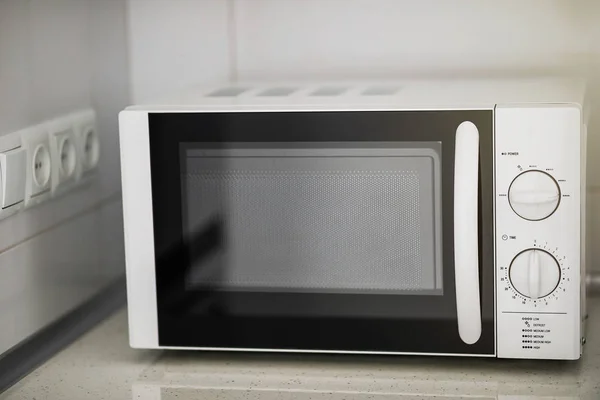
[[64, 155], [84, 123], [12, 174], [38, 179]]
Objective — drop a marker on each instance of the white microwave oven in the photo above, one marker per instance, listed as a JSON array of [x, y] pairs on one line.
[[419, 217]]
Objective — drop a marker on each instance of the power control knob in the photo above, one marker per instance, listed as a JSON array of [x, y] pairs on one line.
[[534, 195], [534, 273]]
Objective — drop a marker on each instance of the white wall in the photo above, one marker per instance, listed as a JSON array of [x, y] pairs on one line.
[[177, 43], [392, 37], [110, 87], [58, 56]]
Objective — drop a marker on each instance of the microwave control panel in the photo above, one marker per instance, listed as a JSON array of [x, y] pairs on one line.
[[538, 231]]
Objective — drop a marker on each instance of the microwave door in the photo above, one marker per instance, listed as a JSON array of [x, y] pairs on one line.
[[274, 241]]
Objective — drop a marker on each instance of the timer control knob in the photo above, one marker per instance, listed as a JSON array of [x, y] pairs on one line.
[[534, 273], [534, 195]]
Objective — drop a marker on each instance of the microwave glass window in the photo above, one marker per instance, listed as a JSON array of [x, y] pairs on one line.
[[336, 219]]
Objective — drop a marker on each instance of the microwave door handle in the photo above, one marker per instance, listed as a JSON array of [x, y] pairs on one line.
[[466, 243]]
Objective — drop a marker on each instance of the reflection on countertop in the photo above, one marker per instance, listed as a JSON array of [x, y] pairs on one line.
[[101, 365]]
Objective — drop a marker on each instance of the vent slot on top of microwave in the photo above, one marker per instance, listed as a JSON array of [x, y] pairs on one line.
[[348, 220], [277, 92], [330, 91], [228, 92]]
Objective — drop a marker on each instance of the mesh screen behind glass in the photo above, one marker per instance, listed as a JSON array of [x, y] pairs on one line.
[[351, 220]]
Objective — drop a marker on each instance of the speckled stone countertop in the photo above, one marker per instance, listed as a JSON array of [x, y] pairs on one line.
[[100, 365]]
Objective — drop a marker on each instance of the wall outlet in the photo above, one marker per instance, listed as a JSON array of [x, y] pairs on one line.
[[38, 178], [13, 159], [64, 155], [84, 124], [46, 160]]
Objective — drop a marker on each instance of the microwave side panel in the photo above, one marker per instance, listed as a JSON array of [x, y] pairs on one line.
[[538, 230], [586, 247], [138, 229]]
